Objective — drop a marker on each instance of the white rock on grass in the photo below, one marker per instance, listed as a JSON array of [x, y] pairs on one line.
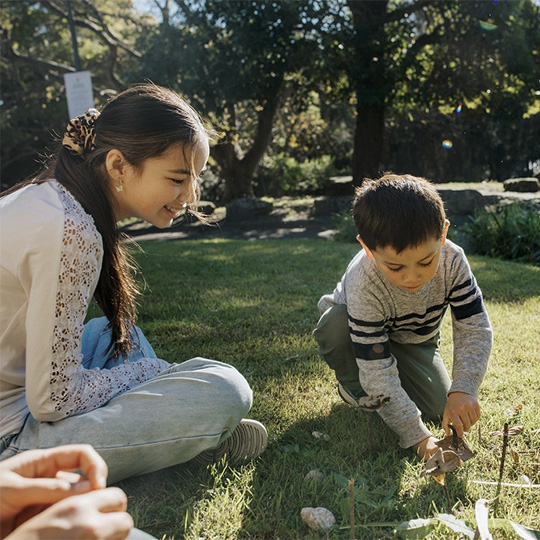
[[315, 475], [318, 519]]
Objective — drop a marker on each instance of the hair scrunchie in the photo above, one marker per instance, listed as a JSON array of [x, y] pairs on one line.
[[80, 135]]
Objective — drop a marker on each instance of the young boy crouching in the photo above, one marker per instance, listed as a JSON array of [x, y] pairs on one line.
[[379, 329]]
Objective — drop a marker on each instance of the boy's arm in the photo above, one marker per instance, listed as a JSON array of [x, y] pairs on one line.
[[378, 373], [401, 413], [471, 329]]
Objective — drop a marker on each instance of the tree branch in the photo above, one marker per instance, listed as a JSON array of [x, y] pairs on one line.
[[97, 26], [51, 67], [399, 13]]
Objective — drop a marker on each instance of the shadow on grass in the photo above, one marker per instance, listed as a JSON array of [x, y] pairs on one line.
[[506, 281], [340, 445]]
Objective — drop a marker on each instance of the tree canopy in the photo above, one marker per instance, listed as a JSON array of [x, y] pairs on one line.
[[449, 90]]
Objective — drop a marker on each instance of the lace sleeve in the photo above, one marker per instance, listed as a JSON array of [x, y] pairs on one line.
[[73, 389]]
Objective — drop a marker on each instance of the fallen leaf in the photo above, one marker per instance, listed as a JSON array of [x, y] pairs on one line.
[[512, 432], [515, 455], [481, 513], [457, 444], [440, 463]]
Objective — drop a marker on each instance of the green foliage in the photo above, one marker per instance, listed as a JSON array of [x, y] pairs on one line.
[[345, 228], [284, 175], [512, 233], [36, 52]]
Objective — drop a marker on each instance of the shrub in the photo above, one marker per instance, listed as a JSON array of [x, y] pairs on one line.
[[512, 233], [345, 228], [284, 175]]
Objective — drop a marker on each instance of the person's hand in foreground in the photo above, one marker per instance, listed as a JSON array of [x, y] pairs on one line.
[[40, 498]]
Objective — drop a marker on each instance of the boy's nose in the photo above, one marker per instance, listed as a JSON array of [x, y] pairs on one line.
[[412, 278]]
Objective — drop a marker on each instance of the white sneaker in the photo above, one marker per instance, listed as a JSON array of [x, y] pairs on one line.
[[248, 441]]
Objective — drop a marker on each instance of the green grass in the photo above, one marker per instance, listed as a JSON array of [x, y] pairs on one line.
[[253, 305]]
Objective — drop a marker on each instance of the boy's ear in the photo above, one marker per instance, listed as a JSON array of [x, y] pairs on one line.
[[116, 164], [445, 231], [366, 249]]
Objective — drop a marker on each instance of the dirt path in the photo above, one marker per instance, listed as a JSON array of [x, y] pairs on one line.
[[290, 218]]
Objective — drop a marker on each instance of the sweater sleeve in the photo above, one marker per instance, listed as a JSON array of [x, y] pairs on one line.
[[472, 332], [377, 367], [60, 269]]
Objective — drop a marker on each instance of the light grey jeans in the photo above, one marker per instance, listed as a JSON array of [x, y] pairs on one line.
[[189, 408]]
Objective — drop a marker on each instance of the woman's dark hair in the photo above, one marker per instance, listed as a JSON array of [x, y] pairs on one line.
[[399, 211], [142, 122]]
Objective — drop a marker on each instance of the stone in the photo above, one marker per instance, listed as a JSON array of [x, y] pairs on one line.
[[314, 475], [206, 208], [326, 206], [461, 202], [248, 207], [339, 185], [522, 185], [318, 519]]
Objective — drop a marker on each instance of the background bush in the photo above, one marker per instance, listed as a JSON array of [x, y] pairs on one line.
[[512, 233], [285, 175]]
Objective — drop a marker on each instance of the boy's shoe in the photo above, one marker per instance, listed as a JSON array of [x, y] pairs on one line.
[[347, 396], [246, 442]]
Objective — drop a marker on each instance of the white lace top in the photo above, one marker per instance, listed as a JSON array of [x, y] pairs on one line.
[[50, 260]]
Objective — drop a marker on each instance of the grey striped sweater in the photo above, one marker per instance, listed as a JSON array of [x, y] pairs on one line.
[[379, 311]]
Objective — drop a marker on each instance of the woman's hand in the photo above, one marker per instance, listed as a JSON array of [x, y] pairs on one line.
[[99, 515], [39, 493]]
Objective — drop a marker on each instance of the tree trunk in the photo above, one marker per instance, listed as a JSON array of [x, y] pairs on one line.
[[238, 169], [368, 142], [370, 80]]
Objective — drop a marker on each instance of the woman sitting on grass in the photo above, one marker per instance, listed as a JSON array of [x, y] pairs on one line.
[[62, 381]]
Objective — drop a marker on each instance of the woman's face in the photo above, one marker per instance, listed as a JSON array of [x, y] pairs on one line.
[[158, 191]]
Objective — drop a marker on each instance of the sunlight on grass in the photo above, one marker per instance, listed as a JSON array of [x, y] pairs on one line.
[[223, 507], [253, 305]]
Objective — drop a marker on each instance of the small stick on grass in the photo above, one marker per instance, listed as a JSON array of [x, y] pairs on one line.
[[503, 458], [351, 510], [448, 500]]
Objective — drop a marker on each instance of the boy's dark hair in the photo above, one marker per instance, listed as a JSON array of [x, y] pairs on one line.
[[399, 211]]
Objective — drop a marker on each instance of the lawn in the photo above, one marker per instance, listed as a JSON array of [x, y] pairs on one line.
[[253, 305]]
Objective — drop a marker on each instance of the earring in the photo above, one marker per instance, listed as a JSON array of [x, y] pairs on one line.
[[120, 188]]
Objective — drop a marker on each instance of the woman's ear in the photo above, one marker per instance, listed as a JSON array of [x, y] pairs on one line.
[[445, 231], [366, 249], [116, 165]]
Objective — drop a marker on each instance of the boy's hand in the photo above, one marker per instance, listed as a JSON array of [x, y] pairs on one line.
[[426, 448], [462, 411]]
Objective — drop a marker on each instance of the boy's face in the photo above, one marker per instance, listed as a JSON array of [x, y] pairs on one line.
[[411, 269]]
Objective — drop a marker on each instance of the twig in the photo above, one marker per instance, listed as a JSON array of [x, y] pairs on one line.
[[448, 497], [488, 483], [351, 510], [503, 458]]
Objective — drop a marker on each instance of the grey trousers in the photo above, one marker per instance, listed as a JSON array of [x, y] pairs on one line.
[[421, 369]]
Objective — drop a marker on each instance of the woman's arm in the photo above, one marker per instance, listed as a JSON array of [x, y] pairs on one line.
[[60, 269]]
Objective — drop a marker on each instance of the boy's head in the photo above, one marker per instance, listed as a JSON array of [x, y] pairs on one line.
[[402, 225], [398, 211]]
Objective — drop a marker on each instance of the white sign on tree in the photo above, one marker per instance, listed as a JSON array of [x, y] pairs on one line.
[[80, 96]]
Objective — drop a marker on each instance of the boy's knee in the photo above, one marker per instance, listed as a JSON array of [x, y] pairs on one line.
[[333, 325]]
